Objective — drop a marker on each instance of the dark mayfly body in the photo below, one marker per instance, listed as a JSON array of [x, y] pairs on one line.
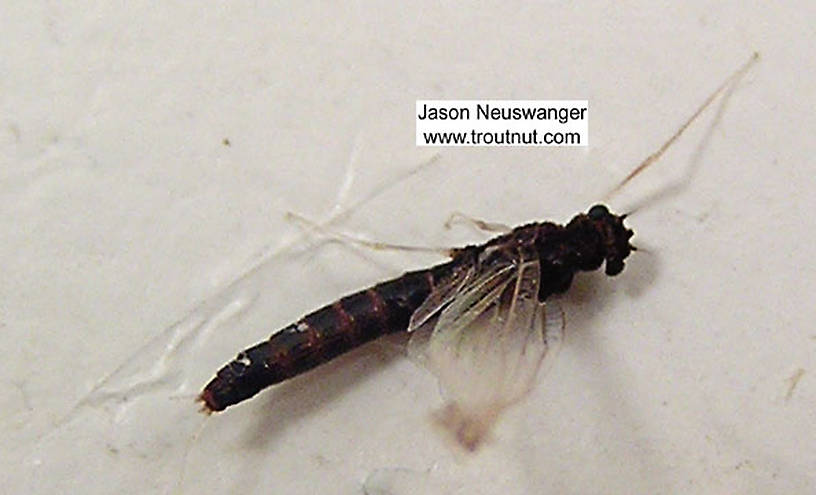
[[486, 307], [560, 251]]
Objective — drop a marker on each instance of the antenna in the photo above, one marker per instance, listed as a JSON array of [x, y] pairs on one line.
[[657, 154]]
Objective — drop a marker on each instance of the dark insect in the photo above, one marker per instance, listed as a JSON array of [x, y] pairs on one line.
[[559, 251], [485, 307]]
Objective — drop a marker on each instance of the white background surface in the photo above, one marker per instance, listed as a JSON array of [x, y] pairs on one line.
[[125, 221]]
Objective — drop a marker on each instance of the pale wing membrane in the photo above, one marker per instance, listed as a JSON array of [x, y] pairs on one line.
[[441, 296], [453, 299], [488, 347], [472, 302]]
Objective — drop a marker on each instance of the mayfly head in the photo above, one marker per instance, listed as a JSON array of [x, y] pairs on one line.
[[602, 236], [614, 237]]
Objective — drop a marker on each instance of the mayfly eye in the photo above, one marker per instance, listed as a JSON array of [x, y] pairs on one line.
[[614, 267], [597, 212]]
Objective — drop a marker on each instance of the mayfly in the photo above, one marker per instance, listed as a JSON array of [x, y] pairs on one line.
[[486, 311]]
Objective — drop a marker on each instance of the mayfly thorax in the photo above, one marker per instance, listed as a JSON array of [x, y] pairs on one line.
[[488, 299]]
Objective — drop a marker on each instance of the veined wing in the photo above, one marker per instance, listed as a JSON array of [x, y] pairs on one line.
[[488, 346], [441, 296]]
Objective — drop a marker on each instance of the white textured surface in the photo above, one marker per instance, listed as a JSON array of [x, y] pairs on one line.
[[125, 219]]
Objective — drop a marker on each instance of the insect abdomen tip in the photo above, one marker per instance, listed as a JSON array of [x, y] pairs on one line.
[[208, 404]]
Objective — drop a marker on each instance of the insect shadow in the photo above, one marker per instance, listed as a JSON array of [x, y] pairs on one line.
[[295, 400]]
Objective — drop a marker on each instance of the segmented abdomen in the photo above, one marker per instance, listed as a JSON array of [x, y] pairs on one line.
[[322, 335]]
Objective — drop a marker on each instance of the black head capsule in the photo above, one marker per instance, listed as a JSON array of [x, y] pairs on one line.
[[599, 236], [614, 237]]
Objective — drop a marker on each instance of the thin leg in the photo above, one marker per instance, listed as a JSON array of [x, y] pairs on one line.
[[294, 217], [458, 217], [726, 85]]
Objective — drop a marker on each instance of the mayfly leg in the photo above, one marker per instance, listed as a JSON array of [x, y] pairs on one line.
[[380, 246], [483, 225], [652, 158]]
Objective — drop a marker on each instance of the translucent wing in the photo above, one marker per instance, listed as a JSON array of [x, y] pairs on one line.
[[452, 297], [488, 346], [441, 296]]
